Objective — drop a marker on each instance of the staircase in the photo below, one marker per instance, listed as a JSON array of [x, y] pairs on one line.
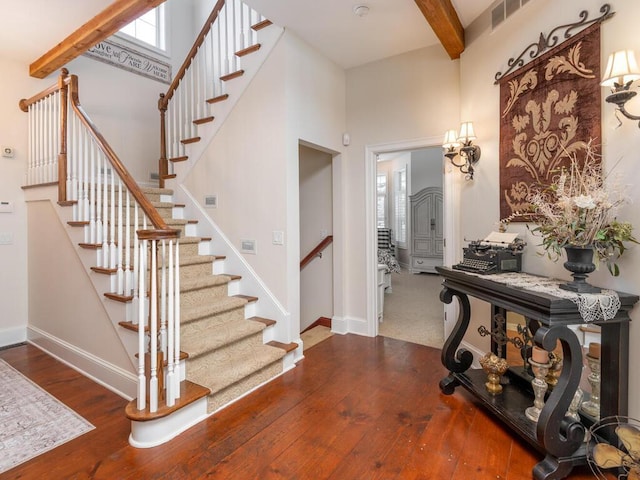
[[211, 346], [223, 345]]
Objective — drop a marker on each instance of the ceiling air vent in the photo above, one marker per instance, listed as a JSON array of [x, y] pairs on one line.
[[503, 10]]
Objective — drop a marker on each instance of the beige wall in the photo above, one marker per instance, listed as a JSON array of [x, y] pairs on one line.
[[63, 303], [398, 99], [252, 163], [488, 53], [13, 258]]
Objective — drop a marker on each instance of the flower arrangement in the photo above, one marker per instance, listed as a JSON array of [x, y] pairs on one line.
[[578, 209]]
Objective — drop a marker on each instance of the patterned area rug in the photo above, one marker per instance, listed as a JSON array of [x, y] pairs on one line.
[[32, 422]]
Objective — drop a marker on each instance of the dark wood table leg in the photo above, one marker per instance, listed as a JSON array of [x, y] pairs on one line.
[[559, 435], [456, 361]]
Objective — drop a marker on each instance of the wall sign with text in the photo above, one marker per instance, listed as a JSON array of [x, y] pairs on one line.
[[129, 59]]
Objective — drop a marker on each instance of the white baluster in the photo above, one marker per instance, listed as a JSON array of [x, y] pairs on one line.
[[99, 206], [176, 346], [170, 332], [127, 248], [92, 193], [105, 214], [69, 135], [163, 299], [153, 328], [142, 381], [136, 263], [120, 244], [112, 221]]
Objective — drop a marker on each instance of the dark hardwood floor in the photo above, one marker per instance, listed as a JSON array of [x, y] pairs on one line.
[[354, 408]]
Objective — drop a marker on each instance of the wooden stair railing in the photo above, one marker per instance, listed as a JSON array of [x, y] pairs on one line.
[[228, 34], [316, 252], [129, 235]]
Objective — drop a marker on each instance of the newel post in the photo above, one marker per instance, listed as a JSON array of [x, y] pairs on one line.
[[163, 167], [62, 155]]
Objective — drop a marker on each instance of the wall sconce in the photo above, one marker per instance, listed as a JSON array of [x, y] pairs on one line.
[[461, 144], [621, 72]]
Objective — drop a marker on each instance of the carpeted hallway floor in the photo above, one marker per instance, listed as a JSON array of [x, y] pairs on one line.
[[413, 311]]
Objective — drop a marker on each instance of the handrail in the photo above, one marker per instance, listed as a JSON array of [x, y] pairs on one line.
[[316, 252], [164, 99], [153, 215], [163, 102], [70, 82]]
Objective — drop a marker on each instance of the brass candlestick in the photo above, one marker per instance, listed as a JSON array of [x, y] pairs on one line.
[[494, 367]]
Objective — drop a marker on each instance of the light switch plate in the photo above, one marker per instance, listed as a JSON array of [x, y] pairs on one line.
[[6, 207], [278, 237], [6, 238]]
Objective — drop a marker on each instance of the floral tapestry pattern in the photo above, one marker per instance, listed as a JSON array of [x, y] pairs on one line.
[[548, 109]]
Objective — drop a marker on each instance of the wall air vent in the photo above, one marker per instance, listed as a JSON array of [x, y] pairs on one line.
[[248, 246], [503, 10], [211, 201]]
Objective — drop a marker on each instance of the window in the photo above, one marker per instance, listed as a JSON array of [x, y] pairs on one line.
[[148, 28], [400, 206], [381, 202]]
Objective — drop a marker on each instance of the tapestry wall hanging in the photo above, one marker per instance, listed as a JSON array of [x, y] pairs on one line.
[[549, 108]]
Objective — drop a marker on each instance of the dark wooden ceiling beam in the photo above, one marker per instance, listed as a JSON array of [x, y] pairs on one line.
[[445, 23], [102, 26]]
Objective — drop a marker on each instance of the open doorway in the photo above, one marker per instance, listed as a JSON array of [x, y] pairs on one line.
[[316, 244], [409, 224], [450, 195]]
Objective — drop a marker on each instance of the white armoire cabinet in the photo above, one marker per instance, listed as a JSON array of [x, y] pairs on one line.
[[426, 230]]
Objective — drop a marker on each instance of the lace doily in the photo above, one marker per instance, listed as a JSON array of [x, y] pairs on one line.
[[593, 307]]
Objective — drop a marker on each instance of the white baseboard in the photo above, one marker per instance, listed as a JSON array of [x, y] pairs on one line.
[[110, 376], [344, 325], [12, 336]]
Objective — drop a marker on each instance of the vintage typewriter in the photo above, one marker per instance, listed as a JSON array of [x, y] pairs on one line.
[[499, 252]]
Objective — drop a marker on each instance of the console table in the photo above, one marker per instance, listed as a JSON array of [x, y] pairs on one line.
[[558, 437]]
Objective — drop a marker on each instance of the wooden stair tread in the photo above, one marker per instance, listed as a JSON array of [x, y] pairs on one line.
[[266, 321], [119, 298], [104, 270], [189, 393], [248, 50], [184, 158], [67, 203], [261, 25], [287, 347], [219, 98], [232, 276], [187, 141], [90, 246], [248, 298], [169, 176], [232, 75], [201, 121], [132, 326], [82, 223]]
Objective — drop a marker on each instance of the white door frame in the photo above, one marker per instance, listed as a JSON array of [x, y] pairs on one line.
[[451, 200]]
